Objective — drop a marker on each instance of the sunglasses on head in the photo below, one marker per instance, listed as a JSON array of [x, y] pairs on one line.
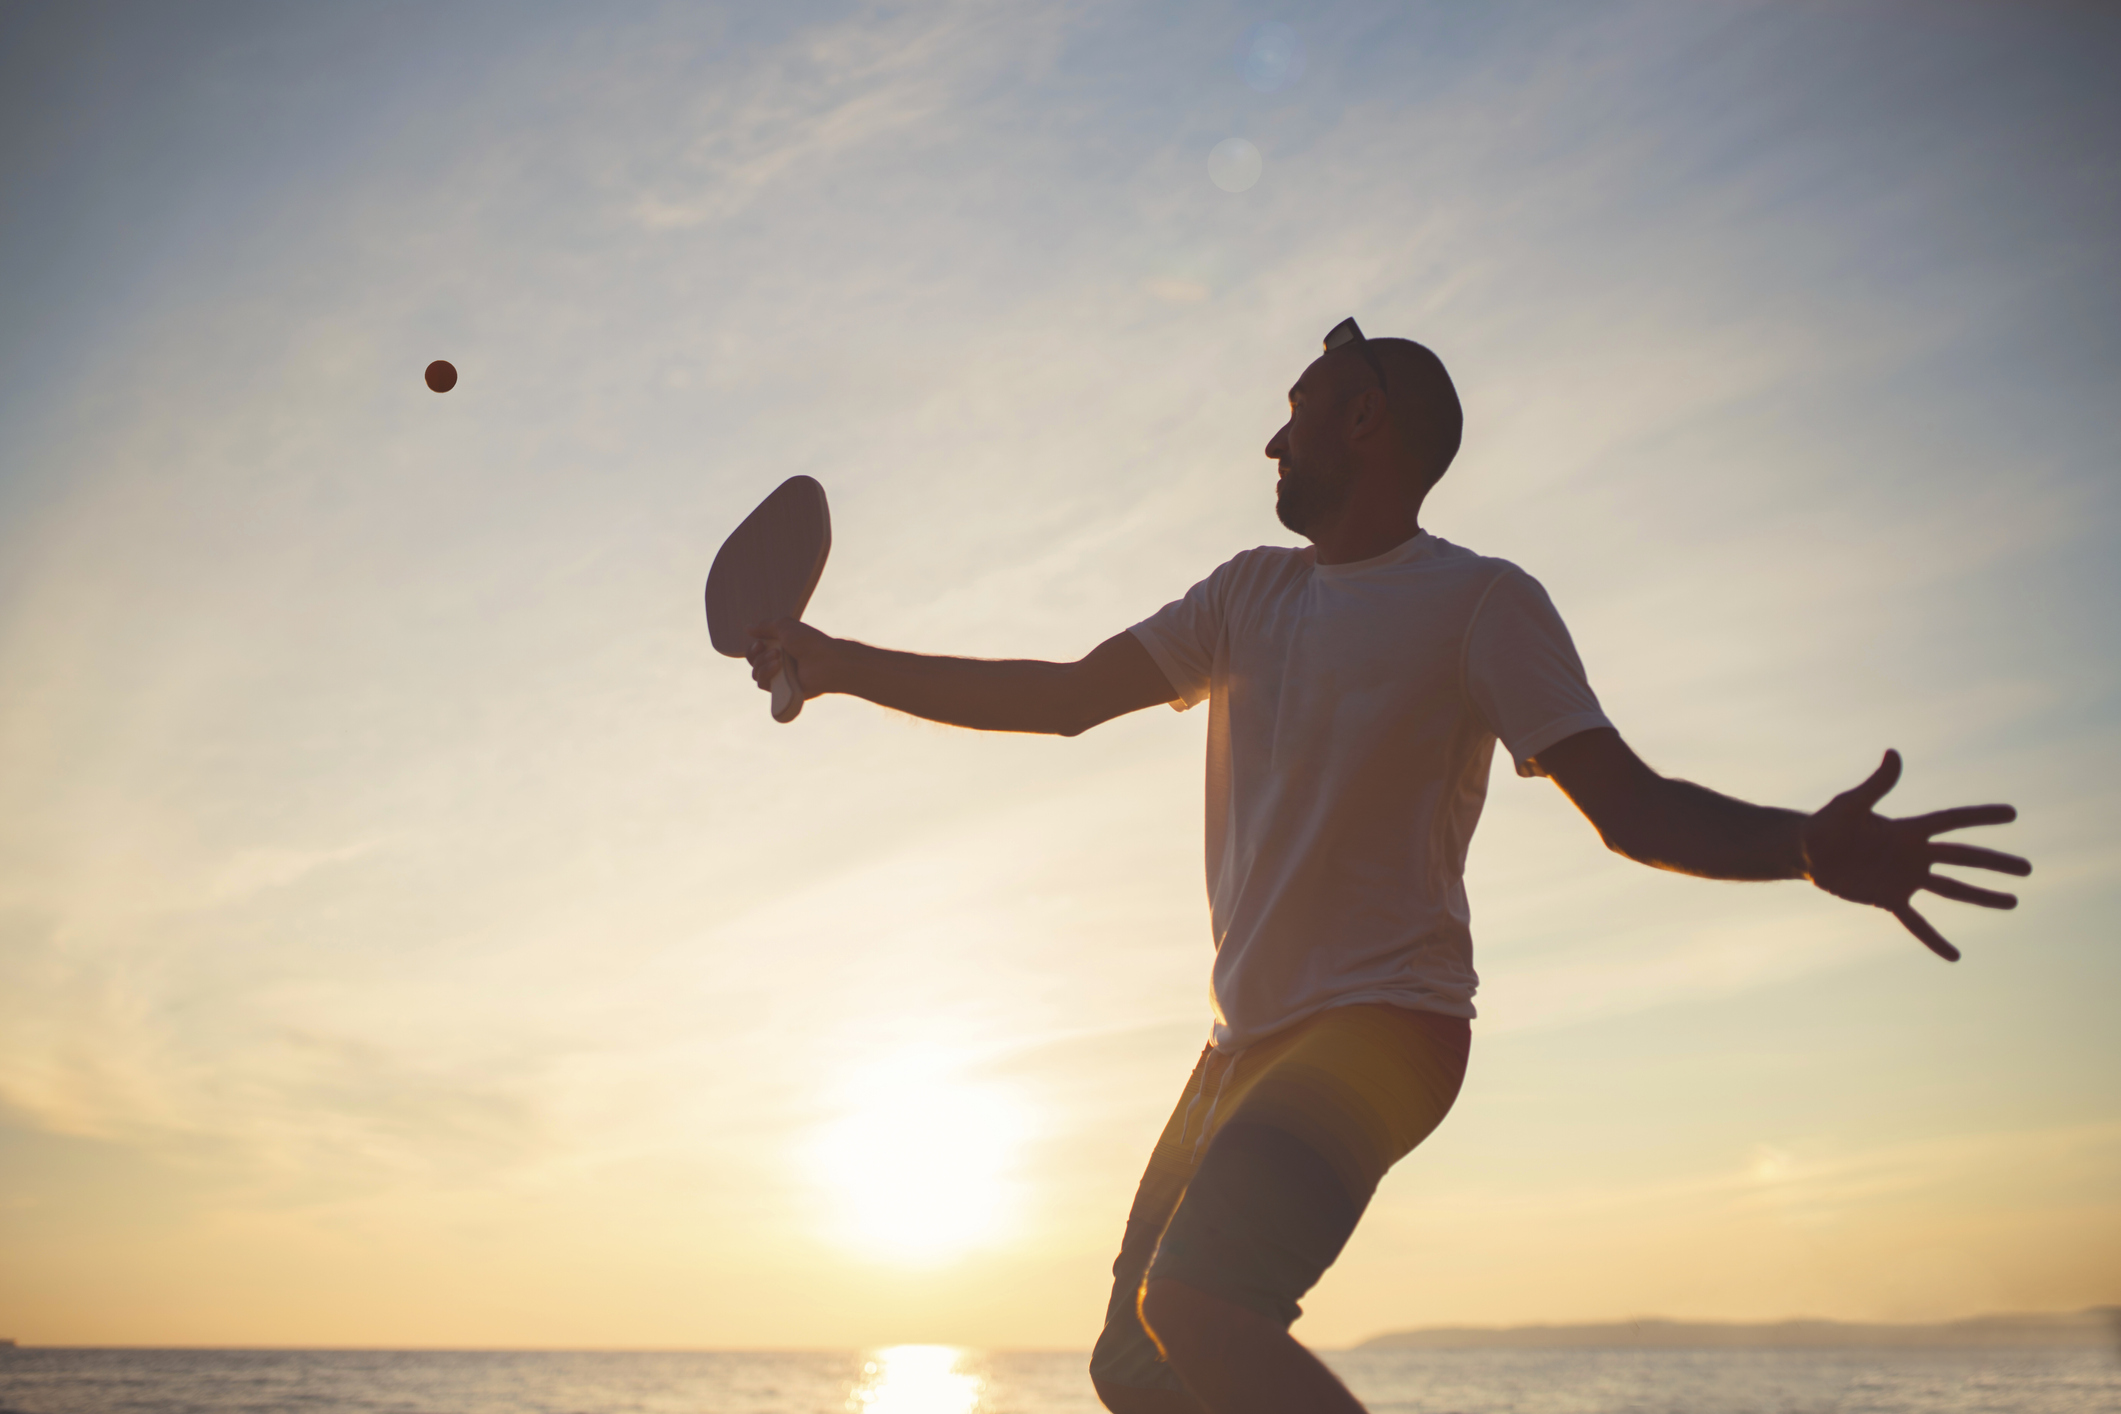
[[1349, 332]]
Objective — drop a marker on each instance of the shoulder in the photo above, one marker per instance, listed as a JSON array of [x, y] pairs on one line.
[[1264, 564], [1476, 576], [1493, 591], [1471, 562], [1271, 559]]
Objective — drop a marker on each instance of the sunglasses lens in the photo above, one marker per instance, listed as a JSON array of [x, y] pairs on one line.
[[1347, 331]]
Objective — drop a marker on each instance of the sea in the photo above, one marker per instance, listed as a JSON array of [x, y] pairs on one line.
[[941, 1379]]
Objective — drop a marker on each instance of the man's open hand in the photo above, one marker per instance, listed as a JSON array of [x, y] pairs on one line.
[[1864, 857]]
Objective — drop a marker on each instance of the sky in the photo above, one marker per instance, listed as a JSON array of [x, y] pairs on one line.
[[413, 934]]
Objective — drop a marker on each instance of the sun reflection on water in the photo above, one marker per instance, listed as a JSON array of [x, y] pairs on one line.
[[916, 1379]]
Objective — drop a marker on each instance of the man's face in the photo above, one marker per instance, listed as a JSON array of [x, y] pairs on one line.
[[1317, 470]]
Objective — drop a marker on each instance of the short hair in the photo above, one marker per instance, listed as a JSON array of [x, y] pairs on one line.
[[1424, 405]]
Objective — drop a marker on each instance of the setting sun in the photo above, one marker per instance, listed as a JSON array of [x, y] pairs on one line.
[[919, 1167]]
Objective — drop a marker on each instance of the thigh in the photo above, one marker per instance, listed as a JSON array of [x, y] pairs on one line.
[[1125, 1354], [1318, 1116]]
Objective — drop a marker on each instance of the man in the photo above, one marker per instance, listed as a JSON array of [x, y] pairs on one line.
[[1357, 690]]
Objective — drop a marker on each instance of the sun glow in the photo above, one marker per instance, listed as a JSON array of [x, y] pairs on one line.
[[916, 1379], [920, 1166]]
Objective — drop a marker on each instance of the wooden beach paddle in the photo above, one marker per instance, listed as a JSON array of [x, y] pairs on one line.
[[766, 570]]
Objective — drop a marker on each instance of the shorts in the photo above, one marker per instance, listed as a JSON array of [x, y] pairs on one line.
[[1269, 1159]]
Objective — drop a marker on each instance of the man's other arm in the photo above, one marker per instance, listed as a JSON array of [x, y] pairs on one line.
[[1670, 824], [1010, 695], [1844, 848]]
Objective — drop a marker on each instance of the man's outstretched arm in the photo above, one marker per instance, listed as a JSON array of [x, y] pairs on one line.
[[1845, 848], [1015, 695]]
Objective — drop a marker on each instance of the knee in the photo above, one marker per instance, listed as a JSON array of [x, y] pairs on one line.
[[1117, 1398]]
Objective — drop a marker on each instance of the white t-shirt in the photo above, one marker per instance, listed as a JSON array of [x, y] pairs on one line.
[[1355, 708]]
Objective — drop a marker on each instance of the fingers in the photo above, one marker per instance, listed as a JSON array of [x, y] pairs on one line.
[[768, 647], [1932, 939], [1973, 856], [1938, 821], [1882, 780], [1967, 893]]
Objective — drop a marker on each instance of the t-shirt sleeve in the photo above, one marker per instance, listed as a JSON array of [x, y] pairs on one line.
[[1182, 635], [1522, 672]]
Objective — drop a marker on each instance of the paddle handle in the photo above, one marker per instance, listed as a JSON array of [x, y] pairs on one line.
[[787, 691]]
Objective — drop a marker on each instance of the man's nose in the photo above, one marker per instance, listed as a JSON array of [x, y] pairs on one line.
[[1277, 445]]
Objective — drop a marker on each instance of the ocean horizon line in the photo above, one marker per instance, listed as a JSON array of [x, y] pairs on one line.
[[2086, 1327], [2089, 1327]]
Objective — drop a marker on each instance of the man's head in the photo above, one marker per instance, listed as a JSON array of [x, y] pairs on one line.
[[1367, 408]]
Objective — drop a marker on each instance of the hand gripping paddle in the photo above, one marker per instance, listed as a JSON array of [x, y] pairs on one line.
[[766, 570]]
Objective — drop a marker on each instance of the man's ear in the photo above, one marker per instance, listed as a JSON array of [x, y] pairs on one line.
[[1368, 414]]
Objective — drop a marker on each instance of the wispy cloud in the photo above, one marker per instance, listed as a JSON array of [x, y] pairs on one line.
[[380, 831]]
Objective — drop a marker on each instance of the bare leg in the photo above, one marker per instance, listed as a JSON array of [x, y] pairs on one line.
[[1237, 1361]]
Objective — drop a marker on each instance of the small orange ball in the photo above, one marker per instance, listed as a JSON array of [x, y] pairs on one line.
[[441, 375]]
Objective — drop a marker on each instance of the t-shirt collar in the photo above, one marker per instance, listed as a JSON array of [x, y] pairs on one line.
[[1416, 546]]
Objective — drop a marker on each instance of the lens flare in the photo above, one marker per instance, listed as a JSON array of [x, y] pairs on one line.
[[1234, 165], [1270, 57]]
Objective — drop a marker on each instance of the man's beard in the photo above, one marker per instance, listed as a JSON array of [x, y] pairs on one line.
[[1304, 502]]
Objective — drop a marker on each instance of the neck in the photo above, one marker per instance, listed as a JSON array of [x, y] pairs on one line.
[[1376, 517]]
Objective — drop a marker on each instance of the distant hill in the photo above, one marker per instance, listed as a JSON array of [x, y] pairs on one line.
[[2078, 1330]]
